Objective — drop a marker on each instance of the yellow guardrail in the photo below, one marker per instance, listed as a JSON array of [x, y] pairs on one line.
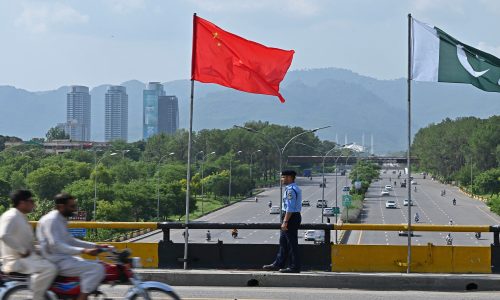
[[416, 227], [109, 225]]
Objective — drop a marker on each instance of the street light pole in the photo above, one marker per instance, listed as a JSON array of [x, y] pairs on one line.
[[201, 181], [95, 178], [251, 163], [158, 185], [230, 172]]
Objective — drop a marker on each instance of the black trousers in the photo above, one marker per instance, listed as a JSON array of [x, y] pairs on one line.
[[289, 244]]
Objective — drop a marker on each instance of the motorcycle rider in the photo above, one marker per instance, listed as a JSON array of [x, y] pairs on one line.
[[209, 236], [256, 199], [417, 217], [449, 239], [478, 235], [18, 245], [270, 203], [450, 222], [454, 201], [61, 248], [234, 233]]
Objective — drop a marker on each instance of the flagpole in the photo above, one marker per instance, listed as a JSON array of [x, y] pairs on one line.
[[408, 164], [188, 176]]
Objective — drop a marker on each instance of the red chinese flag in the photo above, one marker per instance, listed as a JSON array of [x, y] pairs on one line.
[[229, 60]]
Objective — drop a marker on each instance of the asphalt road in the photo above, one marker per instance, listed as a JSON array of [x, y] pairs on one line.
[[248, 211], [432, 209], [264, 293]]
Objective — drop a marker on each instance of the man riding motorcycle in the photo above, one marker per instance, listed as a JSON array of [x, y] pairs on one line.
[[417, 218]]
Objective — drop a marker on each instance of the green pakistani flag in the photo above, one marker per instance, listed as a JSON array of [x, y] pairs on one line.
[[437, 56]]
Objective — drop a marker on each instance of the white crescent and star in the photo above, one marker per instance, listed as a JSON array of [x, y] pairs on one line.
[[462, 57]]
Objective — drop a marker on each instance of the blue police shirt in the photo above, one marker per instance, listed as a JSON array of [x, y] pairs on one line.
[[292, 198]]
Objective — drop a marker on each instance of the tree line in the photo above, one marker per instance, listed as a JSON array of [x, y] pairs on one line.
[[127, 178], [465, 150]]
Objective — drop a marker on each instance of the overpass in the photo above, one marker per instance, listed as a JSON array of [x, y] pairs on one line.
[[297, 159]]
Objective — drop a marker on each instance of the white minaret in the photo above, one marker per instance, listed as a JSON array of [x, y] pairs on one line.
[[371, 151], [345, 139], [363, 140], [337, 138]]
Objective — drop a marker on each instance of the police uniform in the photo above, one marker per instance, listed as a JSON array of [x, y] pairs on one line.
[[289, 244]]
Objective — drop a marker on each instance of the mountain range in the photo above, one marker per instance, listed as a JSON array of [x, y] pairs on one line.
[[353, 104]]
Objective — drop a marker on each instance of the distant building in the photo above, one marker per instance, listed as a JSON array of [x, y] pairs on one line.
[[116, 114], [63, 146], [168, 114], [160, 112], [78, 113]]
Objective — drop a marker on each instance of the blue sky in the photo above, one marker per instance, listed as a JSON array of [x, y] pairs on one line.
[[47, 44]]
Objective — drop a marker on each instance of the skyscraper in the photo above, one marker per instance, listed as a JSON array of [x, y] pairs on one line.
[[168, 114], [78, 113], [150, 109], [116, 114]]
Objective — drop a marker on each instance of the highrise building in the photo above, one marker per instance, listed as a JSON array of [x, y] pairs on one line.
[[168, 114], [116, 114], [78, 113], [160, 112]]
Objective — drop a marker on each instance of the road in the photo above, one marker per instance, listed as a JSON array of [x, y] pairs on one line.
[[265, 293], [432, 208], [248, 211]]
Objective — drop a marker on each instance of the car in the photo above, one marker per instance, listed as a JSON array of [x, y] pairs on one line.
[[342, 172], [274, 210], [413, 182], [405, 202], [328, 211], [405, 233], [390, 204], [384, 193], [306, 203], [388, 187], [309, 235], [403, 184], [321, 203], [346, 189]]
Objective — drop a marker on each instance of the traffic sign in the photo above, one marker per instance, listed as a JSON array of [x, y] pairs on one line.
[[346, 200], [78, 232], [336, 210]]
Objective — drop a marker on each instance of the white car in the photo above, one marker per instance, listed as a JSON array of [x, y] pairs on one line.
[[413, 182], [405, 202], [328, 211], [384, 193], [309, 235], [274, 210], [388, 187], [390, 204], [318, 236]]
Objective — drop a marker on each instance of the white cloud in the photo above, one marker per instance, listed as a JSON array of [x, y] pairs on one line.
[[40, 17], [489, 49], [125, 6], [296, 7]]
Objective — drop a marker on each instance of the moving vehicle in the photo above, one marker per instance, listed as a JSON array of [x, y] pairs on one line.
[[307, 172], [342, 172], [403, 184], [119, 271], [405, 233], [328, 211], [234, 233], [306, 203], [274, 210], [309, 235], [318, 236], [321, 203], [390, 204], [405, 202], [384, 192], [454, 201], [346, 189], [322, 185], [388, 187]]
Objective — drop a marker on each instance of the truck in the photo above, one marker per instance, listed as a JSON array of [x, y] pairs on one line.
[[307, 172]]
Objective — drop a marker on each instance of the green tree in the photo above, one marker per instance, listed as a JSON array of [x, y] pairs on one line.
[[56, 133]]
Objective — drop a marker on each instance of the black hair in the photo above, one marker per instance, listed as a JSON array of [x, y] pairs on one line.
[[63, 198], [20, 195]]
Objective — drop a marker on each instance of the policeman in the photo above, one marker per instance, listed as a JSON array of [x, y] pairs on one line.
[[289, 244]]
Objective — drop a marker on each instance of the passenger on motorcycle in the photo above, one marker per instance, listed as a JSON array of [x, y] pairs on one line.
[[17, 245], [61, 248]]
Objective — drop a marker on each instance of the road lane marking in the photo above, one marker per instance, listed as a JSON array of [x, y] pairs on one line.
[[360, 235], [481, 209]]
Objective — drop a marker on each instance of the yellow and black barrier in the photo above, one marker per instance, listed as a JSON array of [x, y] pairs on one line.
[[339, 258]]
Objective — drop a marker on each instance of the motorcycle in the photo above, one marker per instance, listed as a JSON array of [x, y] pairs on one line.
[[256, 199], [234, 233], [417, 219], [454, 202], [270, 204], [209, 236], [449, 240], [120, 270], [477, 235]]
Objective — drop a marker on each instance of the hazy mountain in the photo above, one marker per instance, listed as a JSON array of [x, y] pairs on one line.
[[353, 104]]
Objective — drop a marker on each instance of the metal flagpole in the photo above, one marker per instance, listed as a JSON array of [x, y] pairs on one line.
[[408, 165], [188, 176]]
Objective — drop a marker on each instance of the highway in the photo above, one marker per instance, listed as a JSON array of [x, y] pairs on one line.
[[248, 211], [432, 209]]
